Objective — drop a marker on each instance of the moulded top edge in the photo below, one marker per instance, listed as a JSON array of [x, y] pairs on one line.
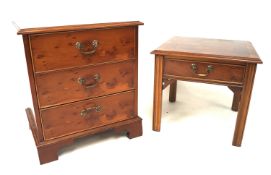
[[77, 27]]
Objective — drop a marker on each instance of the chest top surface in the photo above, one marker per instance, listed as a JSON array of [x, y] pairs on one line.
[[41, 30], [241, 51]]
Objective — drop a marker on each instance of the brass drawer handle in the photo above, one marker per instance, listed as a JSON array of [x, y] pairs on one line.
[[86, 111], [194, 67], [81, 47], [83, 81]]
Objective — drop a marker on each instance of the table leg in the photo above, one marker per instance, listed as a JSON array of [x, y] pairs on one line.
[[157, 96], [244, 105], [236, 97], [173, 91]]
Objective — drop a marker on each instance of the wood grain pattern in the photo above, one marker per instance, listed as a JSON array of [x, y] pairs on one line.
[[80, 87], [244, 105], [132, 130], [77, 27], [166, 82], [58, 50], [112, 127], [221, 72], [231, 63], [66, 119], [173, 91], [136, 71], [60, 87], [157, 95], [48, 150], [33, 125], [214, 49], [32, 82], [236, 97]]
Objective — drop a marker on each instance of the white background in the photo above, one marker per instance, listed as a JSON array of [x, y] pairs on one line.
[[196, 131]]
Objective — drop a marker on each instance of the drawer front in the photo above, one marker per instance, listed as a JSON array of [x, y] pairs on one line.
[[223, 73], [76, 84], [73, 49], [76, 117]]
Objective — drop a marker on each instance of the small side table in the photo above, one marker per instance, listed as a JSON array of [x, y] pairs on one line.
[[222, 62]]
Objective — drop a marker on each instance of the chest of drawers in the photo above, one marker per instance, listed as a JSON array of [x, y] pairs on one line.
[[83, 80]]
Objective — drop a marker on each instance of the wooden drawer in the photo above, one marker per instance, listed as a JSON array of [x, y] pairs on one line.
[[66, 86], [223, 73], [83, 81], [88, 114], [72, 49]]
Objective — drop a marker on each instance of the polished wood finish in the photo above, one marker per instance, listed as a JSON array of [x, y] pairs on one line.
[[244, 105], [132, 130], [203, 49], [173, 91], [223, 62], [166, 82], [67, 119], [157, 95], [236, 97], [221, 73], [58, 50], [52, 87], [33, 125], [32, 82], [173, 88], [48, 151], [79, 91], [136, 72], [78, 27]]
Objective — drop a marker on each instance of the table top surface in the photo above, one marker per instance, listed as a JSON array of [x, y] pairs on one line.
[[242, 51]]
